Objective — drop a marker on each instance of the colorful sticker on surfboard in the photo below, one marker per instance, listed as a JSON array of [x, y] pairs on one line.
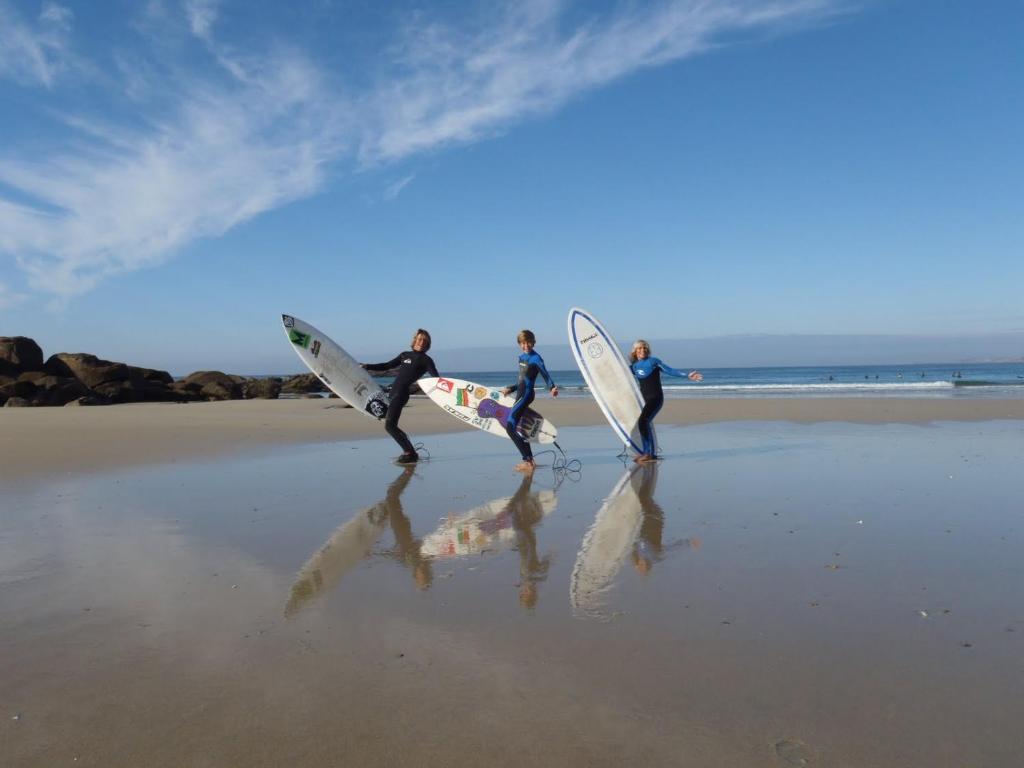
[[377, 406], [299, 339]]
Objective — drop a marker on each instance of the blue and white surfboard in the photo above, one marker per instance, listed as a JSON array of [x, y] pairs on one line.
[[608, 376]]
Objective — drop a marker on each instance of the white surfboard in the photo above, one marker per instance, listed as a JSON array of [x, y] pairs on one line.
[[605, 547], [486, 528], [485, 408], [347, 547], [336, 368], [608, 376]]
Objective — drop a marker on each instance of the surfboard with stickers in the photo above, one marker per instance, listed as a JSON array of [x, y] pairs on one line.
[[485, 408], [336, 368], [488, 528]]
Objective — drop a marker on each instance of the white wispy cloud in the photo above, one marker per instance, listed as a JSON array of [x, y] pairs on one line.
[[264, 131], [201, 16], [34, 53], [138, 195], [394, 189], [462, 86]]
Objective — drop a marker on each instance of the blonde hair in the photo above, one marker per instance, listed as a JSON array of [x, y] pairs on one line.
[[639, 344], [426, 333], [525, 335]]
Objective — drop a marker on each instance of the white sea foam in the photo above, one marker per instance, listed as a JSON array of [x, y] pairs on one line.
[[829, 387]]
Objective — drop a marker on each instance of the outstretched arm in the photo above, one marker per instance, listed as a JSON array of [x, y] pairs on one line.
[[393, 363], [547, 376], [692, 375]]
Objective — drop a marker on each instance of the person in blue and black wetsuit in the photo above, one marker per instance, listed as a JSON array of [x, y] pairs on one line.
[[647, 371], [530, 364], [410, 366]]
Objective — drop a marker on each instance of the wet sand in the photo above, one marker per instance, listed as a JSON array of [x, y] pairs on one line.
[[772, 594], [35, 442]]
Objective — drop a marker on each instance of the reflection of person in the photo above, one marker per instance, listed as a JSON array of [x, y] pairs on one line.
[[530, 364], [648, 548], [647, 371], [407, 547], [411, 365], [527, 512]]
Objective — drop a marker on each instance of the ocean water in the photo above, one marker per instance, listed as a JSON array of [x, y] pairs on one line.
[[943, 380]]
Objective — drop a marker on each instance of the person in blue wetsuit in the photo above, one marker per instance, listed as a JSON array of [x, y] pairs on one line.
[[530, 364], [647, 371]]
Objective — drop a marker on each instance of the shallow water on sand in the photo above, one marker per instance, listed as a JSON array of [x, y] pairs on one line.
[[769, 594]]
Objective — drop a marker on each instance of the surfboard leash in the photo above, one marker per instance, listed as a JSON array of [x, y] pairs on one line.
[[570, 468]]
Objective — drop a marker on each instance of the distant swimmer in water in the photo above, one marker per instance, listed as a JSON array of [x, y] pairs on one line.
[[530, 364], [647, 371]]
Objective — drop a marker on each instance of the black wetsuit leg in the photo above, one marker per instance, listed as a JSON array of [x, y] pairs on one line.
[[399, 397], [650, 410], [515, 415]]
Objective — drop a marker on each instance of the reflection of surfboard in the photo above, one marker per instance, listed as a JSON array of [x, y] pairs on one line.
[[608, 376], [336, 368], [343, 551], [488, 526], [346, 547], [485, 408], [606, 546]]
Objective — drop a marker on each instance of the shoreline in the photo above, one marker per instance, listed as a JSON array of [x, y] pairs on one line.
[[39, 442]]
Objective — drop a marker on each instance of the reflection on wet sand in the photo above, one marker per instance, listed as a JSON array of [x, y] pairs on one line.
[[408, 550], [629, 523], [505, 522], [648, 548], [351, 543]]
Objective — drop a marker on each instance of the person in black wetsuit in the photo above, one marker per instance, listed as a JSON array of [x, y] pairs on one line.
[[647, 371], [410, 366], [530, 364]]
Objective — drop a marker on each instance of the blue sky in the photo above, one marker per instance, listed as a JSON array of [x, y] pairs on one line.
[[174, 174]]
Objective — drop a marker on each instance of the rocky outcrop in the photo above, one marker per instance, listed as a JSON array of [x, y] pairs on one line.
[[211, 385], [262, 389], [19, 353], [303, 384], [114, 382], [83, 379]]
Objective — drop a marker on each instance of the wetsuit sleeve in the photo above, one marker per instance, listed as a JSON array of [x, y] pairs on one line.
[[669, 370], [431, 368], [544, 372], [393, 363]]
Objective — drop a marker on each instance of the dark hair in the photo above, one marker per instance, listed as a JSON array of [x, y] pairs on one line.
[[426, 347], [525, 335]]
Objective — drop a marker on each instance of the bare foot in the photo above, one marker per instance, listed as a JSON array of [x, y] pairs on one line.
[[525, 467], [644, 458]]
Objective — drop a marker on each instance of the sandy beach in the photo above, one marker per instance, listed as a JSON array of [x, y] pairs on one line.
[[40, 441], [799, 583]]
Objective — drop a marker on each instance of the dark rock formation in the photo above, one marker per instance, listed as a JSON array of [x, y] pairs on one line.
[[263, 389], [83, 379], [19, 354], [303, 383], [211, 385]]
